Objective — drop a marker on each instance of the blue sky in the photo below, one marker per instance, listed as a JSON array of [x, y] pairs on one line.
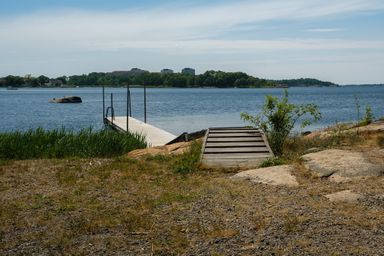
[[334, 40]]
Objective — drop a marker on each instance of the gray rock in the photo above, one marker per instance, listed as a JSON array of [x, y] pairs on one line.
[[341, 164], [344, 196], [312, 150], [275, 175]]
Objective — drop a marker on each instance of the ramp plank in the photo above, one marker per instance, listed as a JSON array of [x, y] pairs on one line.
[[154, 136], [235, 147]]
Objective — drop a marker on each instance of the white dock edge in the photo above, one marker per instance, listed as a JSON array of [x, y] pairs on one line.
[[154, 136]]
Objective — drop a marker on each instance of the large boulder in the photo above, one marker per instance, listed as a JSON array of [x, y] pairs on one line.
[[276, 175], [173, 149], [341, 165]]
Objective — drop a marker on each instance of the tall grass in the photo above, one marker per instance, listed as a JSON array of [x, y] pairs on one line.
[[61, 143]]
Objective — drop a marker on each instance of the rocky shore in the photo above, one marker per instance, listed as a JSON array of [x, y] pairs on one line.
[[329, 201]]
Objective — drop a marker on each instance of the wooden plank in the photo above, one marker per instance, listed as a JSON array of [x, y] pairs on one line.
[[236, 155], [238, 134], [232, 163], [235, 131], [235, 144], [236, 150], [235, 139], [230, 128]]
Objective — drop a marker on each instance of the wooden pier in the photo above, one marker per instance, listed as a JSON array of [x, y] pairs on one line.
[[230, 147], [154, 136]]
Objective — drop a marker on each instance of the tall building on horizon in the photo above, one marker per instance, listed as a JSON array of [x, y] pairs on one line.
[[189, 71], [166, 71]]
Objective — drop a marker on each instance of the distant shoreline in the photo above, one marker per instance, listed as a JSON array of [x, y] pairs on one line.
[[196, 87]]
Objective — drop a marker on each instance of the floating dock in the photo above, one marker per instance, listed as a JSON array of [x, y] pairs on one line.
[[154, 136], [234, 147]]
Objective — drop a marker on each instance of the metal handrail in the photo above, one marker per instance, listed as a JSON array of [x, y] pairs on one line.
[[129, 107], [112, 110], [112, 113]]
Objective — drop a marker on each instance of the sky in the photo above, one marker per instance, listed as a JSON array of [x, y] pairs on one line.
[[333, 40]]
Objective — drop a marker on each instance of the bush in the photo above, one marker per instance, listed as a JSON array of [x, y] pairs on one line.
[[368, 117], [62, 143], [188, 162], [278, 117], [271, 162]]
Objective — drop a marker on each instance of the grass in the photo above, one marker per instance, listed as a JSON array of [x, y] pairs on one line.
[[61, 143], [161, 205], [273, 161], [144, 206], [189, 161]]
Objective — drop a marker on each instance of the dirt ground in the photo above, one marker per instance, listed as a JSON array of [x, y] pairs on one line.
[[140, 207]]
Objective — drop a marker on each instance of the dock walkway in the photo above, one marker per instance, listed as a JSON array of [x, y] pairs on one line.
[[154, 136]]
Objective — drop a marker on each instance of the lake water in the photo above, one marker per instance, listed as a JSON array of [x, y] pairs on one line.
[[176, 110]]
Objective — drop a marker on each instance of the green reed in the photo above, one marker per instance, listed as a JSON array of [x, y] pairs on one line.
[[62, 143]]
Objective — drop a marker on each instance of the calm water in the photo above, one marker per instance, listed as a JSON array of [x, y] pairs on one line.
[[176, 110]]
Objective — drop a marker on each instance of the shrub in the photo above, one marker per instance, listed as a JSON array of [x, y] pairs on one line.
[[188, 162], [368, 117], [278, 117]]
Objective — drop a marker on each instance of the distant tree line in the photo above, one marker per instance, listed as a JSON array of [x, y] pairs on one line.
[[29, 81], [208, 79], [218, 79], [310, 82]]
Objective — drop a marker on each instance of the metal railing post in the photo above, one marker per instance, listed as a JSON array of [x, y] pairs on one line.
[[128, 100], [103, 104], [112, 109], [145, 103], [130, 103]]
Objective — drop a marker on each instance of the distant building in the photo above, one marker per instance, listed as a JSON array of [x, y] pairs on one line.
[[166, 71], [133, 71], [137, 71], [189, 71]]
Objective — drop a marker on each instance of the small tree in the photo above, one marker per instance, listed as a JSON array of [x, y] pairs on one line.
[[278, 117], [368, 118]]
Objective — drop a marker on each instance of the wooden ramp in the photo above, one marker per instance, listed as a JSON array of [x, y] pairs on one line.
[[230, 147], [153, 135]]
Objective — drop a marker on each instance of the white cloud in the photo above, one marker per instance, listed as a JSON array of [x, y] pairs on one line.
[[50, 36], [281, 44], [80, 27], [324, 30]]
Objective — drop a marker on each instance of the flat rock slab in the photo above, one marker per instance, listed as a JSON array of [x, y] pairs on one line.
[[344, 196], [341, 165], [275, 175]]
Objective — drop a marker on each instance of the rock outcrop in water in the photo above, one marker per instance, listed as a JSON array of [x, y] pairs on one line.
[[67, 99]]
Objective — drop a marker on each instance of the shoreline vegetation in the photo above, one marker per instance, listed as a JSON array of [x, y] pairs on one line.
[[62, 143], [169, 205], [137, 77]]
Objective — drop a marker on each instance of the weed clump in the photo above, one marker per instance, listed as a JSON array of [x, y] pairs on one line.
[[273, 161], [188, 162]]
